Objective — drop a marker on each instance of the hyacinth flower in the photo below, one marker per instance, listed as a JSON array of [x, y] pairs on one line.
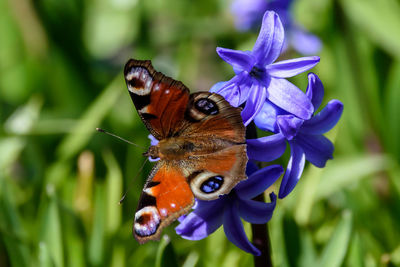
[[248, 15], [228, 210], [259, 79], [305, 137], [153, 142]]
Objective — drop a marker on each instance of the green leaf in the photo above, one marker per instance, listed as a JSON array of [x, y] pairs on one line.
[[113, 192], [392, 110], [231, 259], [96, 243], [10, 149], [395, 256], [306, 195], [165, 256], [355, 257], [11, 230], [24, 118], [308, 256], [343, 171], [379, 20], [118, 256], [44, 256], [334, 252], [192, 259], [51, 231], [279, 253], [91, 119], [215, 248]]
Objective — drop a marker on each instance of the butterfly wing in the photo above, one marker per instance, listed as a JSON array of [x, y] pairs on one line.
[[217, 128], [214, 162], [165, 197], [160, 101], [210, 115]]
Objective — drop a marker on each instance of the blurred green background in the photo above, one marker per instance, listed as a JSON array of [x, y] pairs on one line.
[[60, 182]]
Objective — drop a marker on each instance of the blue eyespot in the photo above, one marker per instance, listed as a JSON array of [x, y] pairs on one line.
[[207, 106], [212, 184]]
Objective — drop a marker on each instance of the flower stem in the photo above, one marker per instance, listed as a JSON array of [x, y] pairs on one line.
[[260, 231], [261, 241]]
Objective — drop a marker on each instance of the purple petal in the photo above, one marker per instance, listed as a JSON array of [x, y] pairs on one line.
[[231, 91], [315, 90], [239, 60], [254, 103], [317, 148], [218, 86], [153, 140], [280, 6], [251, 168], [234, 231], [293, 171], [255, 211], [286, 19], [248, 13], [304, 42], [325, 120], [289, 125], [287, 96], [266, 118], [266, 148], [245, 87], [203, 221], [258, 182], [270, 39], [291, 67]]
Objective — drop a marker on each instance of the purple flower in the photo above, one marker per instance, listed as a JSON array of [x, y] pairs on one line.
[[248, 15], [258, 78], [228, 210], [153, 142], [304, 136]]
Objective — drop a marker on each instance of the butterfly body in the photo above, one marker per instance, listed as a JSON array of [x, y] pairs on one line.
[[201, 147]]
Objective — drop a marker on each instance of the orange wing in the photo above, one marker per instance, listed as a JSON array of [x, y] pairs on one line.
[[165, 197], [210, 115], [160, 101], [215, 174]]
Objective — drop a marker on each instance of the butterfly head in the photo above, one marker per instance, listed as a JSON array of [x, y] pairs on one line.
[[152, 152], [171, 149]]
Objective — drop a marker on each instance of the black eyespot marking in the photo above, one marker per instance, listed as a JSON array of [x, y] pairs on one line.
[[143, 219], [140, 101], [206, 106], [152, 184], [146, 224], [212, 184], [148, 116], [146, 200], [136, 83]]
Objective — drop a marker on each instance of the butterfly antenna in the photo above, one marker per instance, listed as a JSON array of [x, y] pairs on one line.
[[131, 182], [120, 138]]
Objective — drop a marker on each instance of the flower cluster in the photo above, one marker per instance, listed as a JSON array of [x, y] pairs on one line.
[[286, 113], [208, 216], [248, 15]]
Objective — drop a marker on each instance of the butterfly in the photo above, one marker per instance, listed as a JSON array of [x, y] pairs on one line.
[[201, 148]]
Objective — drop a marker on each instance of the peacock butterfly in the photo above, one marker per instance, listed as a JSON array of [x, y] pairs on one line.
[[202, 147]]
